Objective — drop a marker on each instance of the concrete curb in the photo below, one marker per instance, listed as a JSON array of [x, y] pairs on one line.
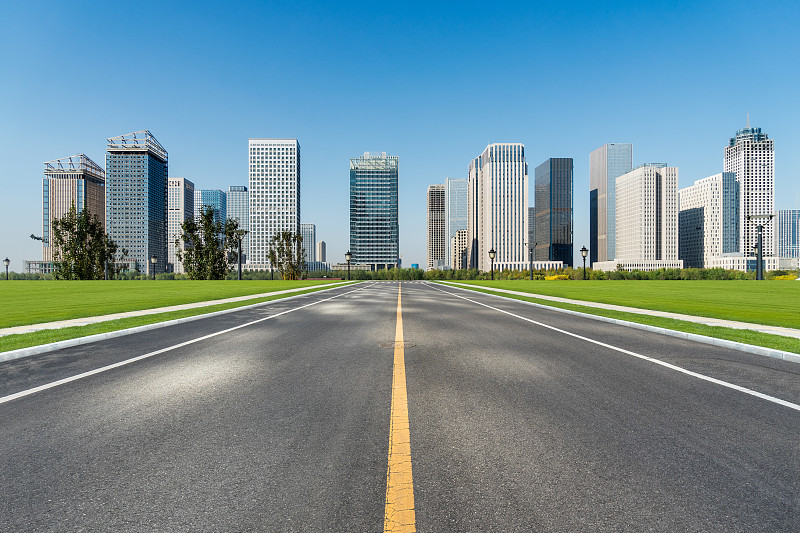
[[53, 346], [749, 348]]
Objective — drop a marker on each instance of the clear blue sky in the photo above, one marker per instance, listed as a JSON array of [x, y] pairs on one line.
[[430, 82]]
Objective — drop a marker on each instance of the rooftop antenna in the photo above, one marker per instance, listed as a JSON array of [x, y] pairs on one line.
[[748, 121]]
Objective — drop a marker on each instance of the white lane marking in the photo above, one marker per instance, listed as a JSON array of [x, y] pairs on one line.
[[716, 381], [106, 368]]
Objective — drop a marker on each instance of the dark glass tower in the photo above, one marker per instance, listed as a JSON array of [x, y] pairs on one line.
[[553, 210], [374, 228]]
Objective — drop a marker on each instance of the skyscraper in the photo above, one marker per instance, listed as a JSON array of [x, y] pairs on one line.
[[238, 208], [274, 194], [498, 207], [437, 238], [322, 255], [787, 235], [374, 228], [751, 155], [180, 207], [309, 234], [213, 198], [456, 211], [553, 219], [136, 198], [606, 164], [75, 180], [708, 219]]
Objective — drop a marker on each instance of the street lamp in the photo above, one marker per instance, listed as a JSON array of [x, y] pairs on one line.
[[347, 257], [239, 258], [492, 255], [760, 245], [153, 261], [531, 247], [584, 253], [6, 262]]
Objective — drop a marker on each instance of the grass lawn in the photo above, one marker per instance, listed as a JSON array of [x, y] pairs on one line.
[[775, 303], [35, 302], [776, 342]]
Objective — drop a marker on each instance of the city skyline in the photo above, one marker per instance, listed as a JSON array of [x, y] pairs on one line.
[[687, 120]]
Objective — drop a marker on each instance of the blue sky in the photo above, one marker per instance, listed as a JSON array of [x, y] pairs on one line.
[[431, 82]]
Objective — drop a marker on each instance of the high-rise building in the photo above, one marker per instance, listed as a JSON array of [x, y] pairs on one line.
[[322, 255], [646, 219], [458, 250], [751, 155], [437, 241], [180, 207], [606, 164], [553, 219], [75, 180], [309, 234], [136, 198], [498, 207], [213, 198], [238, 208], [708, 219], [274, 194], [787, 235], [374, 228], [456, 211]]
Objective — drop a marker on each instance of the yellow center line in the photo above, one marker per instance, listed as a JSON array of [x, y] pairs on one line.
[[399, 515]]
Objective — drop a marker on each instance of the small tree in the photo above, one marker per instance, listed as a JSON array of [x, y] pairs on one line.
[[82, 247], [208, 244], [286, 253]]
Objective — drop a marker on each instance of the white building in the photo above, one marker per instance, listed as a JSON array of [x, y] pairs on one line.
[[437, 239], [238, 208], [751, 155], [456, 211], [180, 207], [274, 194], [646, 219], [309, 234], [498, 207], [708, 219], [458, 250]]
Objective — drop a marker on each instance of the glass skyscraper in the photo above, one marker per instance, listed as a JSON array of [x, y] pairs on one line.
[[136, 198], [456, 211], [309, 234], [374, 228], [238, 207], [553, 210], [213, 198], [787, 234], [606, 164]]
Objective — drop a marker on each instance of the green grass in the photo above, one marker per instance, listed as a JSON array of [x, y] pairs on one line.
[[37, 338], [774, 303], [755, 338], [35, 302]]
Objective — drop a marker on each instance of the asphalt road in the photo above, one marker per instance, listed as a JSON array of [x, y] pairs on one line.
[[521, 419]]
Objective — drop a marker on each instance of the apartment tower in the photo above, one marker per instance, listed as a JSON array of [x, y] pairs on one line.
[[437, 236], [606, 164], [180, 207], [708, 219]]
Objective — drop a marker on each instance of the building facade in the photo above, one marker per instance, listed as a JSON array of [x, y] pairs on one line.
[[309, 234], [274, 194], [498, 207], [75, 180], [606, 164], [708, 219], [553, 210], [458, 249], [437, 233], [456, 211], [751, 155], [213, 198], [787, 235], [136, 198], [322, 255], [180, 207], [374, 227], [238, 208]]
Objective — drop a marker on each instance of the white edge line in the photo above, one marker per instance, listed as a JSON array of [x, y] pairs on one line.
[[77, 341], [716, 381]]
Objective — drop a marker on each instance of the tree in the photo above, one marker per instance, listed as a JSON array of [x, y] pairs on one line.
[[82, 247], [208, 244], [286, 253]]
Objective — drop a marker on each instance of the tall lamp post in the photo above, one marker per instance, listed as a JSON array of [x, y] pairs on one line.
[[239, 258], [6, 262], [492, 255], [347, 257], [760, 245], [531, 247], [153, 261], [584, 253]]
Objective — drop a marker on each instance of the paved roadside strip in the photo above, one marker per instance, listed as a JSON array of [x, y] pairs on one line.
[[44, 348], [758, 350]]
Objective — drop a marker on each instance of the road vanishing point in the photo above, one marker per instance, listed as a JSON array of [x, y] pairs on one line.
[[391, 406]]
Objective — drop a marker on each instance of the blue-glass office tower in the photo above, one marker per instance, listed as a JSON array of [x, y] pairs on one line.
[[238, 207], [606, 164], [213, 198], [136, 198], [309, 234], [456, 212], [374, 228], [553, 210]]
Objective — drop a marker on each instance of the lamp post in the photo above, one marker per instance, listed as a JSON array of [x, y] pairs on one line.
[[584, 253], [492, 255], [531, 247], [347, 257], [760, 245], [239, 259], [6, 262], [153, 261]]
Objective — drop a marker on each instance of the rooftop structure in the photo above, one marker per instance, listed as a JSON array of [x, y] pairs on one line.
[[137, 141]]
